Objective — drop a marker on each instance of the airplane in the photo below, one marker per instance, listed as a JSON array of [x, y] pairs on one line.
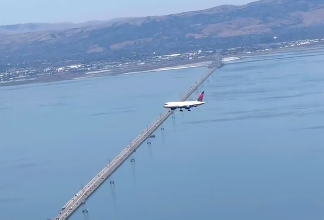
[[186, 104]]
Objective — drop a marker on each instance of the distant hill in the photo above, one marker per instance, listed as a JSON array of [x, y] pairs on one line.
[[39, 27], [32, 27], [218, 27]]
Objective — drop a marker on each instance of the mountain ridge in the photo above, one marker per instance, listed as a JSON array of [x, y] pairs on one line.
[[22, 28], [214, 28]]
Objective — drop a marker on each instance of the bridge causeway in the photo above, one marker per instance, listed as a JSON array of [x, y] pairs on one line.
[[72, 205]]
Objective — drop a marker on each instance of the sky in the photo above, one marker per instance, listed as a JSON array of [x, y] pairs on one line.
[[30, 11]]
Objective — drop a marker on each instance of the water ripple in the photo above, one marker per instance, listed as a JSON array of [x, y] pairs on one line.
[[11, 200]]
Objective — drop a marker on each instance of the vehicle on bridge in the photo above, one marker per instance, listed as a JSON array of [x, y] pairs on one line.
[[185, 104]]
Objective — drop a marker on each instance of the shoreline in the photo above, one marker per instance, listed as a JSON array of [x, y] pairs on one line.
[[157, 67], [173, 65], [283, 50]]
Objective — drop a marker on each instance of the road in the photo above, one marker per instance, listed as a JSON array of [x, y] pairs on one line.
[[71, 206]]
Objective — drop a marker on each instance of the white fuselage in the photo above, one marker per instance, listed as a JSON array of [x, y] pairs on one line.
[[183, 104]]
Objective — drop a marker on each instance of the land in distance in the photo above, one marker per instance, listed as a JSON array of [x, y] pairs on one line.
[[222, 27]]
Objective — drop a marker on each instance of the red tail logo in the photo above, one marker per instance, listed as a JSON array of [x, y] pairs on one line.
[[201, 97]]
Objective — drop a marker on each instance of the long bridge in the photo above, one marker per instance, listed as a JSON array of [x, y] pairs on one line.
[[79, 199]]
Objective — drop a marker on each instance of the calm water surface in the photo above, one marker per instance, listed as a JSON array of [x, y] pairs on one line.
[[254, 150]]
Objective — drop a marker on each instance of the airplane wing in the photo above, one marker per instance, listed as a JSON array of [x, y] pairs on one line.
[[186, 105], [183, 105]]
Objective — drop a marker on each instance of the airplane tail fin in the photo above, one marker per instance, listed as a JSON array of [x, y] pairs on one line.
[[201, 97]]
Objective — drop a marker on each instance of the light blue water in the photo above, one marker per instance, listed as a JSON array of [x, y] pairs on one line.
[[56, 137], [254, 151]]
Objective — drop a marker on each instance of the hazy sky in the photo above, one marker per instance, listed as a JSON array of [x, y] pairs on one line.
[[24, 11]]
